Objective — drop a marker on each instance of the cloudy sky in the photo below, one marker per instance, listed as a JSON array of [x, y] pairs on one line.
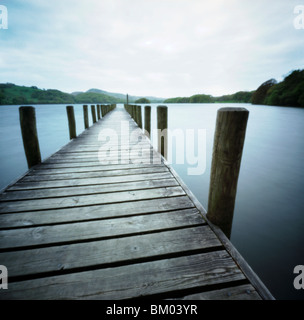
[[164, 48]]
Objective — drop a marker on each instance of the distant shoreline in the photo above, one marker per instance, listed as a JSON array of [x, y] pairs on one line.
[[287, 93]]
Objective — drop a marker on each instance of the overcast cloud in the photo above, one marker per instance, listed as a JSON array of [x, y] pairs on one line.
[[165, 48]]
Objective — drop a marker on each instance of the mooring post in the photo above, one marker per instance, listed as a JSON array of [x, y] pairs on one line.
[[148, 120], [133, 112], [85, 116], [27, 117], [71, 120], [228, 145], [162, 126], [93, 113], [98, 112], [102, 110], [139, 117], [136, 113]]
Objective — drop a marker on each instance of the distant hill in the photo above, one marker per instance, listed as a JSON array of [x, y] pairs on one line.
[[11, 94], [238, 97], [122, 97], [289, 92]]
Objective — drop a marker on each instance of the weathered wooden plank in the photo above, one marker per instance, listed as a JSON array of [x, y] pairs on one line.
[[87, 200], [72, 218], [32, 185], [242, 292], [240, 261], [49, 170], [136, 280], [96, 148], [49, 164], [126, 160], [95, 212], [87, 190], [113, 159], [99, 229], [100, 253], [60, 165], [107, 154], [101, 173], [102, 150]]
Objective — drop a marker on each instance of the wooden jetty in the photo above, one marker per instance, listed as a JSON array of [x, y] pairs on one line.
[[100, 220]]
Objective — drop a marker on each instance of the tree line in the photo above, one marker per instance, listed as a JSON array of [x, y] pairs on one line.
[[289, 92], [11, 94]]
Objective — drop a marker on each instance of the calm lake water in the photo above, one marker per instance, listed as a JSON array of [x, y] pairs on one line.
[[268, 225]]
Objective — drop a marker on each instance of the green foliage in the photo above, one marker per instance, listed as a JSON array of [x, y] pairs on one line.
[[142, 100], [201, 98], [241, 96], [11, 94], [178, 100], [289, 92], [51, 96], [260, 94], [93, 97]]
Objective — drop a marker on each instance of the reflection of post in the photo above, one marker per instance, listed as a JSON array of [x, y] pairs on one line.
[[93, 113], [29, 135], [85, 116], [148, 120], [162, 126], [71, 120], [228, 145]]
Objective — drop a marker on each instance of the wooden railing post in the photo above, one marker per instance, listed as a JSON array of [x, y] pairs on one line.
[[148, 120], [228, 145], [162, 126], [86, 116], [71, 120], [93, 113], [29, 135]]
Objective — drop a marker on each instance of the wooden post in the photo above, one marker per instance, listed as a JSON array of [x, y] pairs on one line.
[[71, 120], [148, 120], [29, 135], [98, 112], [228, 145], [138, 116], [162, 126], [93, 113], [133, 112], [102, 110], [85, 116]]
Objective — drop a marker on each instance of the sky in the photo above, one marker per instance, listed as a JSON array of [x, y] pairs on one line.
[[162, 48]]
